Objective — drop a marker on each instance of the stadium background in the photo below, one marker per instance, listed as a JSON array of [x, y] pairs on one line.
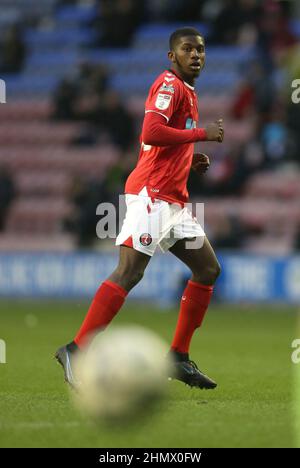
[[77, 74]]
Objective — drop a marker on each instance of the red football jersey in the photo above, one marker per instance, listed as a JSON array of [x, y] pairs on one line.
[[162, 171]]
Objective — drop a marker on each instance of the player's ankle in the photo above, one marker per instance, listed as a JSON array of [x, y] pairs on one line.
[[178, 356], [72, 347]]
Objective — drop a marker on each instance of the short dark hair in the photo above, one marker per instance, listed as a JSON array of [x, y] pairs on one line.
[[187, 31]]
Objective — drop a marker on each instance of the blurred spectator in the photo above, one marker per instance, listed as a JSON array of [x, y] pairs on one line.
[[297, 240], [64, 100], [228, 233], [229, 171], [85, 195], [12, 51], [234, 14], [117, 21], [97, 80], [181, 10], [275, 142], [273, 29], [71, 95], [66, 2], [293, 122], [243, 102], [110, 115], [256, 92], [7, 194]]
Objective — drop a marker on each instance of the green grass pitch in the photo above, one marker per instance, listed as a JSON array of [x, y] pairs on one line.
[[246, 349]]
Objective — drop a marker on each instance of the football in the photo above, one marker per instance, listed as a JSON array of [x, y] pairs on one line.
[[122, 374]]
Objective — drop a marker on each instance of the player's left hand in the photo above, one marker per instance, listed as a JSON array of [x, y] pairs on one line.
[[200, 163]]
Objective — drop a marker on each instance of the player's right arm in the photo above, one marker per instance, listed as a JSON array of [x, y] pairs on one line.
[[157, 133], [163, 101]]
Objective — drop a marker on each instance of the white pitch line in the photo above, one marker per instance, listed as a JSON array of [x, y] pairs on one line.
[[38, 425]]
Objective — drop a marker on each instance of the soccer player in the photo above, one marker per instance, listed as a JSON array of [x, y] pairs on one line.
[[156, 194]]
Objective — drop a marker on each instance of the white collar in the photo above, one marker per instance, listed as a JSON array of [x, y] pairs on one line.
[[189, 86]]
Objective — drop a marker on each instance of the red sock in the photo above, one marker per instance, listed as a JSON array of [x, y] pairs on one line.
[[194, 302], [106, 304]]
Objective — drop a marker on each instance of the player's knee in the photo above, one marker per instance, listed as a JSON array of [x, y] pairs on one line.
[[213, 271], [209, 274], [128, 278], [134, 277]]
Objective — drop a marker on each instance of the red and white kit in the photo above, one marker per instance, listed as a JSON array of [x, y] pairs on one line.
[[156, 189]]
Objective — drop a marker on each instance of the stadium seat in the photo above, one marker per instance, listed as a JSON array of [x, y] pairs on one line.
[[36, 242], [72, 15], [272, 184], [39, 183], [38, 150], [33, 215], [27, 110]]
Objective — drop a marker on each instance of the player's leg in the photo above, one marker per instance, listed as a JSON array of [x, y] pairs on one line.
[[194, 302], [106, 304], [138, 239], [130, 269], [196, 297], [112, 293]]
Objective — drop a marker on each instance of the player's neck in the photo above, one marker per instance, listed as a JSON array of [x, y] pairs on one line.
[[189, 80]]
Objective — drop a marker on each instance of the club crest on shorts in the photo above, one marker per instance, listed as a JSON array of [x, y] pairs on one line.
[[145, 239]]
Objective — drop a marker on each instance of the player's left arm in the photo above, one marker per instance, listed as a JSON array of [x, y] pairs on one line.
[[200, 163]]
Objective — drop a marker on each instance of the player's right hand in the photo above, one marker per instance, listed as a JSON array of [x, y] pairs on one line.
[[215, 131]]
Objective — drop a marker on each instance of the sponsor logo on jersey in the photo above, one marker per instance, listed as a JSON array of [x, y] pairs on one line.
[[168, 88], [145, 239], [154, 190], [190, 123], [169, 79], [163, 101]]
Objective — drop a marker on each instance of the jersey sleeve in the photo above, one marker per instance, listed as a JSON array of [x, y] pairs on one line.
[[164, 97], [156, 132]]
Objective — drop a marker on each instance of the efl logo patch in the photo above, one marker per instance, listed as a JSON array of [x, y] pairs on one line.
[[163, 101], [168, 88], [145, 239]]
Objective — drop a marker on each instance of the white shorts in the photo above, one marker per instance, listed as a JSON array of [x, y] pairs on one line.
[[149, 224]]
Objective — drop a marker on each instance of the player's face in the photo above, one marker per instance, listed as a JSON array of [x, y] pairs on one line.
[[188, 57]]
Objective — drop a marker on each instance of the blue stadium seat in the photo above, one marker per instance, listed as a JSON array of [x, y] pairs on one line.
[[28, 85], [132, 83], [75, 14], [120, 60], [295, 27], [9, 16], [164, 30], [58, 37], [138, 84], [52, 58]]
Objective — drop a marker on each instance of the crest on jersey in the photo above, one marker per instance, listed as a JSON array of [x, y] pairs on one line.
[[163, 101], [168, 88], [145, 239]]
